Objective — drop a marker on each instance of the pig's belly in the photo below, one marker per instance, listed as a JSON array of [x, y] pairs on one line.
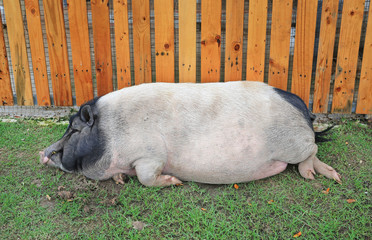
[[221, 160]]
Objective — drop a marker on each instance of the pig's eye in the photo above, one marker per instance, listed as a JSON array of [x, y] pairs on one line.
[[54, 152]]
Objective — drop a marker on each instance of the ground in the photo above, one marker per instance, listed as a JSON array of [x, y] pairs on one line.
[[44, 203]]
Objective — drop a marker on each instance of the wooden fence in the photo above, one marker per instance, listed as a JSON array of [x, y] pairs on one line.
[[330, 67]]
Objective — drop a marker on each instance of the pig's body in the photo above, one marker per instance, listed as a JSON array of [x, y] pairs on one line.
[[211, 133]]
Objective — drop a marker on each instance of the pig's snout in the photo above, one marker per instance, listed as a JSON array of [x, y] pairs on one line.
[[43, 158]]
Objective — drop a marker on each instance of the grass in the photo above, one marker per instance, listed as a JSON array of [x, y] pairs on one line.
[[32, 205]]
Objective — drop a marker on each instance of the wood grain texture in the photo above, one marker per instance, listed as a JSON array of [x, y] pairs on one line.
[[102, 45], [304, 48], [256, 40], [279, 43], [210, 40], [57, 47], [325, 55], [37, 52], [141, 41], [17, 45], [187, 40], [347, 57], [79, 35], [122, 43], [6, 94], [164, 40], [364, 103], [234, 40]]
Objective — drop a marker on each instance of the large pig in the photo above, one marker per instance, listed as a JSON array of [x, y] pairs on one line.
[[215, 133]]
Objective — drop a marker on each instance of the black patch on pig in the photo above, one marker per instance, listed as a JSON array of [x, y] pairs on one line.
[[84, 144], [298, 103]]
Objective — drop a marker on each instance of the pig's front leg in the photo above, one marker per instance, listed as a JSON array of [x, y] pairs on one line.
[[149, 173]]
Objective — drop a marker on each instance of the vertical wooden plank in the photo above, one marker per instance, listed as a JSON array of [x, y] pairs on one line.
[[6, 95], [17, 44], [57, 47], [102, 45], [279, 44], [37, 52], [304, 48], [79, 35], [141, 41], [164, 40], [187, 40], [364, 104], [325, 55], [347, 57], [210, 40], [256, 40], [122, 43], [234, 39]]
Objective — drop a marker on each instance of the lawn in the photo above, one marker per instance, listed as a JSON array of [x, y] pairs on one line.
[[37, 202]]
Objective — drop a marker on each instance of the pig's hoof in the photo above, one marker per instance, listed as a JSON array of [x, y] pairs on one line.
[[306, 169], [119, 178], [326, 170], [166, 180]]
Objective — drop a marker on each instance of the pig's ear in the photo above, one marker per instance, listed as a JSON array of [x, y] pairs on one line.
[[86, 115]]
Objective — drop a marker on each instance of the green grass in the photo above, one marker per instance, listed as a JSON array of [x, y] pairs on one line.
[[272, 208]]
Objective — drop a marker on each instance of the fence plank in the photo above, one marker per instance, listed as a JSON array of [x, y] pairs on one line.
[[6, 95], [57, 47], [279, 44], [210, 40], [187, 40], [364, 104], [347, 57], [79, 35], [325, 55], [256, 40], [141, 41], [164, 40], [304, 48], [122, 43], [17, 44], [37, 52], [234, 39], [102, 45]]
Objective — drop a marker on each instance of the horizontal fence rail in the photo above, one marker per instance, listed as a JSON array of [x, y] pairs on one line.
[[65, 52]]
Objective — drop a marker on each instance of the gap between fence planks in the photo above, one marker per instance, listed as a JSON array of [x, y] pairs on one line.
[[164, 40], [325, 55], [141, 41], [347, 57], [122, 43], [57, 47], [102, 46], [279, 43], [37, 52], [234, 40], [364, 103], [256, 42], [80, 52], [304, 48], [187, 40], [6, 95], [17, 45], [210, 40]]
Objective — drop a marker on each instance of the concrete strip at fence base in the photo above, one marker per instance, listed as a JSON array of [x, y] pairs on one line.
[[37, 112]]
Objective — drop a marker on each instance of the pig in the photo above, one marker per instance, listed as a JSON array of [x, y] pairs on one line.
[[166, 133]]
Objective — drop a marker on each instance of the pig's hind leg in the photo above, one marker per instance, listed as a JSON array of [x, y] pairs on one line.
[[149, 173], [312, 164]]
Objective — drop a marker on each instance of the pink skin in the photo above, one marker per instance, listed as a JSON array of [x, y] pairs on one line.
[[43, 159]]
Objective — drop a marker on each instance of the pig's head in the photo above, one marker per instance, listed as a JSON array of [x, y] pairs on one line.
[[81, 146]]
